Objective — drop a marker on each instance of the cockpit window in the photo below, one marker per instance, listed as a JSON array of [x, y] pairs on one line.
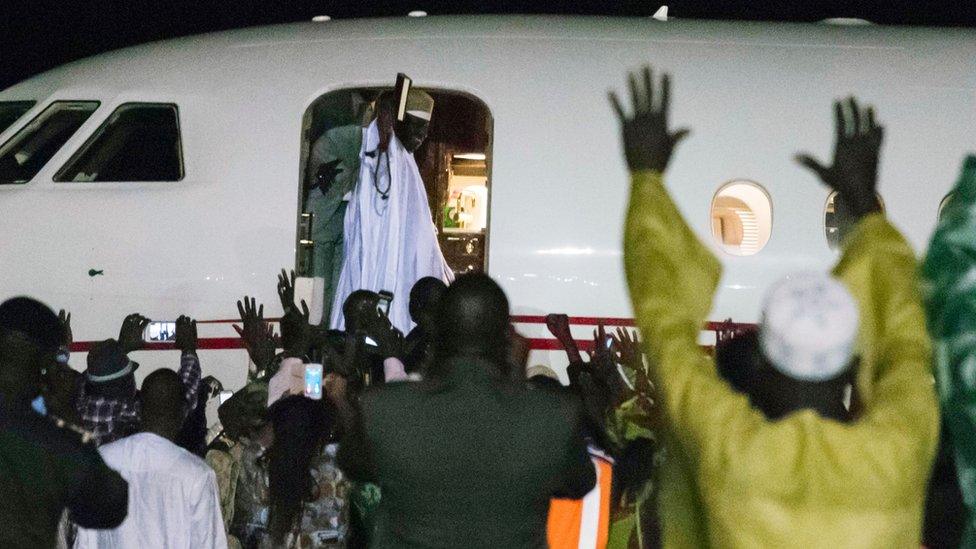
[[138, 142], [10, 111], [29, 149]]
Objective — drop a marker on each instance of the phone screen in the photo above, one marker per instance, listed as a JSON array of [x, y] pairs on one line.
[[223, 396], [161, 330], [313, 381]]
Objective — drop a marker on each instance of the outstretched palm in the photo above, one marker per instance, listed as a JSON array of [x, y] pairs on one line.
[[854, 173], [648, 144]]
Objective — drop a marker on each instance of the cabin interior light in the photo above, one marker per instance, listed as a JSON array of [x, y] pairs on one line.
[[470, 156], [321, 18], [417, 13]]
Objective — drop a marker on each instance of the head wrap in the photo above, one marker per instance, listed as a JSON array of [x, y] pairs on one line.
[[809, 327]]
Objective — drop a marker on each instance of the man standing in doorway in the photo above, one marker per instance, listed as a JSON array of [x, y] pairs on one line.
[[333, 169], [390, 238]]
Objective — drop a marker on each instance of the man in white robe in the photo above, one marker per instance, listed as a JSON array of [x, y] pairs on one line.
[[390, 238], [173, 497]]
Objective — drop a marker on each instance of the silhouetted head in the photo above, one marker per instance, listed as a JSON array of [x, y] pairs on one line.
[[543, 377], [425, 295], [741, 363], [29, 338], [802, 355], [357, 308], [739, 360], [162, 403], [473, 320], [412, 130]]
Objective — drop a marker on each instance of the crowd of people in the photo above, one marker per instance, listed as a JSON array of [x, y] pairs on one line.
[[817, 428]]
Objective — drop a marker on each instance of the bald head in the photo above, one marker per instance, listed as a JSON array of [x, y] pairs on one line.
[[162, 403], [358, 305], [425, 295], [473, 319]]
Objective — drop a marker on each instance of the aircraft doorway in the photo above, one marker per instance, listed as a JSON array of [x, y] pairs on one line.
[[454, 162]]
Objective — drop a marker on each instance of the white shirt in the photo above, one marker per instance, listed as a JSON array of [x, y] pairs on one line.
[[173, 498]]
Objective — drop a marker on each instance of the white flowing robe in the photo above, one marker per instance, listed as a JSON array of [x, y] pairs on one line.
[[390, 243]]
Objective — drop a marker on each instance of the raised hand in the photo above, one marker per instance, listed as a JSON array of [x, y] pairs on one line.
[[648, 143], [130, 334], [258, 335], [286, 290], [603, 368], [558, 325], [857, 148], [628, 348], [296, 332], [186, 334], [64, 318]]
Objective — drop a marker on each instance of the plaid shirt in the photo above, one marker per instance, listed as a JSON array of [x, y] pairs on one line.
[[111, 418]]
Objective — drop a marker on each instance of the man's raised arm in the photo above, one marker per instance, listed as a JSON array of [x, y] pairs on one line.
[[672, 277], [894, 379], [190, 374]]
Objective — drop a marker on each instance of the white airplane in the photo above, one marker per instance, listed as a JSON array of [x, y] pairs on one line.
[[167, 178]]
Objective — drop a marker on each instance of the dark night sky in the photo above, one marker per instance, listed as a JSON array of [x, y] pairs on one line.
[[36, 35]]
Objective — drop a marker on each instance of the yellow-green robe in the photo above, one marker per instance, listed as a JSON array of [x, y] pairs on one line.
[[734, 479]]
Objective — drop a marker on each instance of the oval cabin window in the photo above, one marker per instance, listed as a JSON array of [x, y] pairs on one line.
[[742, 217], [839, 220]]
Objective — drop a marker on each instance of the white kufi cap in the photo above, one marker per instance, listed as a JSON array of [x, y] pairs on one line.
[[809, 327]]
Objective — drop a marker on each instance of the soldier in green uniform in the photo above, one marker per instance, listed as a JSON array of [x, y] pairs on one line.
[[334, 170]]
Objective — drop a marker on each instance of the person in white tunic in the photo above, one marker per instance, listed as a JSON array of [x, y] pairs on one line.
[[390, 238], [173, 497]]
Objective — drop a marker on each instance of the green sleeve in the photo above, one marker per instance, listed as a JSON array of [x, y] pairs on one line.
[[951, 309]]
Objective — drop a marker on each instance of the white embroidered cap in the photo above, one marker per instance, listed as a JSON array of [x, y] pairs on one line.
[[809, 326]]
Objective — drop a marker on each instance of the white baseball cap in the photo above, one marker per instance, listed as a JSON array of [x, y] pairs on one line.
[[809, 326]]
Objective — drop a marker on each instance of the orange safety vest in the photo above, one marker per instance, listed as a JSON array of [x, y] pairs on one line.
[[583, 523]]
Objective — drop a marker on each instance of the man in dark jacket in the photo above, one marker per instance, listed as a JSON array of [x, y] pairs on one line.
[[44, 467], [470, 456]]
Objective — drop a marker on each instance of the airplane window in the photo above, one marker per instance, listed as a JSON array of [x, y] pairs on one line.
[[24, 154], [10, 111], [742, 217], [839, 220], [138, 142], [945, 202]]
